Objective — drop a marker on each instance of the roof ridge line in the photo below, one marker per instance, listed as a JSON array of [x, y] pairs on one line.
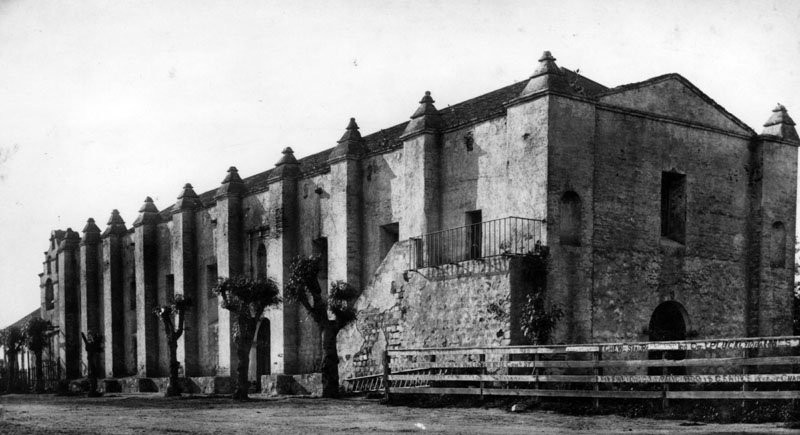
[[703, 96]]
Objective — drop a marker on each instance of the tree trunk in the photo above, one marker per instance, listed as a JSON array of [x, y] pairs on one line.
[[12, 375], [243, 344], [39, 373], [330, 360], [92, 357], [174, 387]]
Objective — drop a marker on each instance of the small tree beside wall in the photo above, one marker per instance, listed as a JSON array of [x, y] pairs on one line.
[[172, 316], [12, 340], [537, 318], [246, 299], [331, 312], [94, 344]]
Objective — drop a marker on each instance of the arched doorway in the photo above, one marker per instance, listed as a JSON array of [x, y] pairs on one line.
[[262, 349], [669, 322]]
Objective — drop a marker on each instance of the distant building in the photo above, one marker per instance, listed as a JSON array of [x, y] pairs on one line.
[[665, 217]]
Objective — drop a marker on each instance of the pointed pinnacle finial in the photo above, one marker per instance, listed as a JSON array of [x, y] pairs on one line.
[[287, 158], [187, 199], [779, 116], [148, 206], [547, 65], [426, 107], [115, 224], [187, 192], [91, 227], [351, 132], [115, 218], [780, 124], [233, 176]]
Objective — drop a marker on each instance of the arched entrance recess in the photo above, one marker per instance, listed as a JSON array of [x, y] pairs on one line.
[[262, 348], [669, 322]]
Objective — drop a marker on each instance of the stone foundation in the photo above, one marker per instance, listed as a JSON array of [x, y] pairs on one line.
[[293, 385]]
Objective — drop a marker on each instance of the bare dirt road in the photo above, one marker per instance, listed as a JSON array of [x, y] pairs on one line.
[[150, 413]]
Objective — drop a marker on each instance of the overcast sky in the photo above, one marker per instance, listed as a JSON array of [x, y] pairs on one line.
[[105, 102]]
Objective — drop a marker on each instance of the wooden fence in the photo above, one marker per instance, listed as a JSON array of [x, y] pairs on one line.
[[741, 368]]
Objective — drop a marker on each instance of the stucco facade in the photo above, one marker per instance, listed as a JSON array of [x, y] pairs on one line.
[[644, 194]]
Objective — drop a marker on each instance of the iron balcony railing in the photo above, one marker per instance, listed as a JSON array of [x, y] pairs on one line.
[[506, 236]]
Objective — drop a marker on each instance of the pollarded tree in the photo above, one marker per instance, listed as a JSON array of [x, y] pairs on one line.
[[37, 331], [12, 340], [94, 344], [171, 314], [331, 314], [246, 299]]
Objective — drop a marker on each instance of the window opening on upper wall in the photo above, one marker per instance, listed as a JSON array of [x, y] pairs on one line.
[[49, 295], [569, 226], [777, 245], [261, 262], [673, 206], [390, 234], [474, 233]]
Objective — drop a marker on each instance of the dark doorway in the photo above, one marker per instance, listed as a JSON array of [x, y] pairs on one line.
[[668, 323], [262, 349], [261, 262], [474, 234]]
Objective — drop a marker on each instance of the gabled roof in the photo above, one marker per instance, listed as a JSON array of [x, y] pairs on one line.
[[615, 96], [37, 313]]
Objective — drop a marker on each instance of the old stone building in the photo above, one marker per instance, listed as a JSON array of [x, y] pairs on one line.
[[665, 217]]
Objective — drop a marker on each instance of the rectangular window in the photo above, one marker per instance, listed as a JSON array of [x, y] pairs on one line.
[[211, 279], [474, 234], [673, 206], [132, 295], [320, 249], [390, 234], [170, 286]]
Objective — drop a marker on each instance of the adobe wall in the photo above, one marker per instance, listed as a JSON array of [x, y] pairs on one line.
[[777, 207], [498, 166], [635, 269], [129, 293], [206, 304], [570, 168]]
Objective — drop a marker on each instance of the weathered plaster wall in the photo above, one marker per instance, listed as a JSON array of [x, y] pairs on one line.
[[164, 292], [571, 169], [379, 180], [635, 269], [778, 193], [206, 304], [129, 293]]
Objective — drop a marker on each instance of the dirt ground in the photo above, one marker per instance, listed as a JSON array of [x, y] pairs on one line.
[[151, 413]]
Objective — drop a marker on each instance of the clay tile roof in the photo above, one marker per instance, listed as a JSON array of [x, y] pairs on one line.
[[481, 107]]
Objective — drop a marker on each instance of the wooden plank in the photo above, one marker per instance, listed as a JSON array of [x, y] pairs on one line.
[[696, 362], [734, 378], [734, 395], [506, 350], [621, 379], [533, 392], [718, 344]]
